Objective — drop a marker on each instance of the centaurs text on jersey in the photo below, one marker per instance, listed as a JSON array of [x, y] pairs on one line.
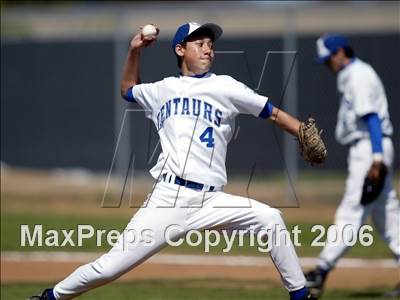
[[191, 107]]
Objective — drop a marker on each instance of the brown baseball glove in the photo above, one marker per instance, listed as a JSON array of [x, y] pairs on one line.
[[312, 148]]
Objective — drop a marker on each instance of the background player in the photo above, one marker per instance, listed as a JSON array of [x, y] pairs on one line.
[[363, 124], [194, 114]]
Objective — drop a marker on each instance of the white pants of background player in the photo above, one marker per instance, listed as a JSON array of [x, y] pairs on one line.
[[385, 211], [193, 210]]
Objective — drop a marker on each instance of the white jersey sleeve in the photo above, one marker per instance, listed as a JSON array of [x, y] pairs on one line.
[[245, 100], [363, 92], [146, 95]]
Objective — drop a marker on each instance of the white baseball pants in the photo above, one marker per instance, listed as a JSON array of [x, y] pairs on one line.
[[170, 204], [385, 211]]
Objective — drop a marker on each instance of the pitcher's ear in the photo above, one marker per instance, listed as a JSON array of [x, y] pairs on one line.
[[179, 50]]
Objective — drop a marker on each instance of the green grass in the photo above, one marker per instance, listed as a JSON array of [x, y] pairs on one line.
[[11, 222], [188, 289]]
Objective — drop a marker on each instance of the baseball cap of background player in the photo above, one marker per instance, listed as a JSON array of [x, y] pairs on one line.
[[188, 29], [328, 44]]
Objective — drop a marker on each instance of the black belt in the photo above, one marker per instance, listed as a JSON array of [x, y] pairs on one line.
[[189, 184]]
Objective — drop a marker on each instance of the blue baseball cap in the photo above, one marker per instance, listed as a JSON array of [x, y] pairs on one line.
[[328, 44], [188, 29]]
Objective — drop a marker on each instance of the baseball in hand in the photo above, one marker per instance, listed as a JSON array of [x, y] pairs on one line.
[[149, 31]]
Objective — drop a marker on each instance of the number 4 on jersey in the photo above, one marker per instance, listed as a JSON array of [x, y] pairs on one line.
[[207, 137]]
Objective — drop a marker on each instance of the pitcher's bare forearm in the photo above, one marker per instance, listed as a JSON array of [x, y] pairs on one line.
[[285, 121], [130, 71]]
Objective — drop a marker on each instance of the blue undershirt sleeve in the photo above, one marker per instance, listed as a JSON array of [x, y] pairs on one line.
[[266, 111], [375, 131], [129, 96]]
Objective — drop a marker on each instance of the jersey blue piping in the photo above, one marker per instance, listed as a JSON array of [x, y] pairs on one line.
[[195, 75], [266, 111], [129, 95]]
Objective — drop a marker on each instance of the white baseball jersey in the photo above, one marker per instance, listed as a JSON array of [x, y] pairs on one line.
[[195, 119], [362, 93]]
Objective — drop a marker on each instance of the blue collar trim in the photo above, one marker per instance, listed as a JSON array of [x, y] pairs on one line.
[[195, 75]]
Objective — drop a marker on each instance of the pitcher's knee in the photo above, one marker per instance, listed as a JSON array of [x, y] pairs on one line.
[[269, 215]]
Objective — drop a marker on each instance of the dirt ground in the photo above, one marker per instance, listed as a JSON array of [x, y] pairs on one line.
[[341, 278]]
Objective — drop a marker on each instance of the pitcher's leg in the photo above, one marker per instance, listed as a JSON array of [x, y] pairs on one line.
[[283, 253], [143, 237], [226, 211], [120, 259]]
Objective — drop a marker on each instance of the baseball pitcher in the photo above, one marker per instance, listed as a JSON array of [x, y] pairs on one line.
[[194, 115]]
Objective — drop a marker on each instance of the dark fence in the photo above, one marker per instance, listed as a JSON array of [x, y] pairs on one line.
[[57, 99]]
